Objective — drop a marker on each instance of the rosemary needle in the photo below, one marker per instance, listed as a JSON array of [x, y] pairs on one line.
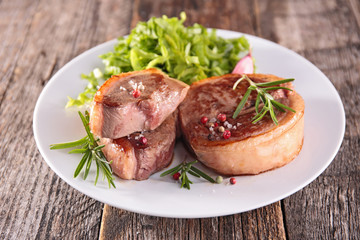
[[91, 152], [263, 95], [184, 168]]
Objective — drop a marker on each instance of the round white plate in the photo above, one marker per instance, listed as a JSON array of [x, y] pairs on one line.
[[161, 196]]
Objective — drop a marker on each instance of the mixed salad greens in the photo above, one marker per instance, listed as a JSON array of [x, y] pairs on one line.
[[185, 53]]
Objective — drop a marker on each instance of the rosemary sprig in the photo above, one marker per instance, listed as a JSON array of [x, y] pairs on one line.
[[184, 168], [91, 152], [263, 95]]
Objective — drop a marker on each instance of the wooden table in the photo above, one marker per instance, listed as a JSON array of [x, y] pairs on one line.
[[39, 37]]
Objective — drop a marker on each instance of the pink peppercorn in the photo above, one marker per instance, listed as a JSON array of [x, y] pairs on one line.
[[143, 140], [136, 93], [221, 117], [204, 120], [226, 134], [232, 180], [176, 176]]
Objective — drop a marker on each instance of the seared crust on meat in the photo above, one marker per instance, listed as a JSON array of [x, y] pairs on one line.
[[252, 148]]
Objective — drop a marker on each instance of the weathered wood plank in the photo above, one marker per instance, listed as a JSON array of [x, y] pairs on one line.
[[33, 206], [263, 223], [120, 224], [326, 33], [231, 15], [308, 25], [329, 209], [13, 34], [37, 39]]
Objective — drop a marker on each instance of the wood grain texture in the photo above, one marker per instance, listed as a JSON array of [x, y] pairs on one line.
[[263, 223], [39, 37], [327, 34]]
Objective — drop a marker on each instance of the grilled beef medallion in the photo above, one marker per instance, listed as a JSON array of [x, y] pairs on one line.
[[237, 146], [133, 102]]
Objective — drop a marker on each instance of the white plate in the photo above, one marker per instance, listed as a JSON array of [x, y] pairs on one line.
[[324, 131]]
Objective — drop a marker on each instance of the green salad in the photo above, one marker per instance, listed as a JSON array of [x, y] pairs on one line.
[[185, 53]]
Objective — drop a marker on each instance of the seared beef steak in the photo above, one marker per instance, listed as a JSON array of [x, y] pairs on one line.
[[251, 148], [133, 102], [132, 159]]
